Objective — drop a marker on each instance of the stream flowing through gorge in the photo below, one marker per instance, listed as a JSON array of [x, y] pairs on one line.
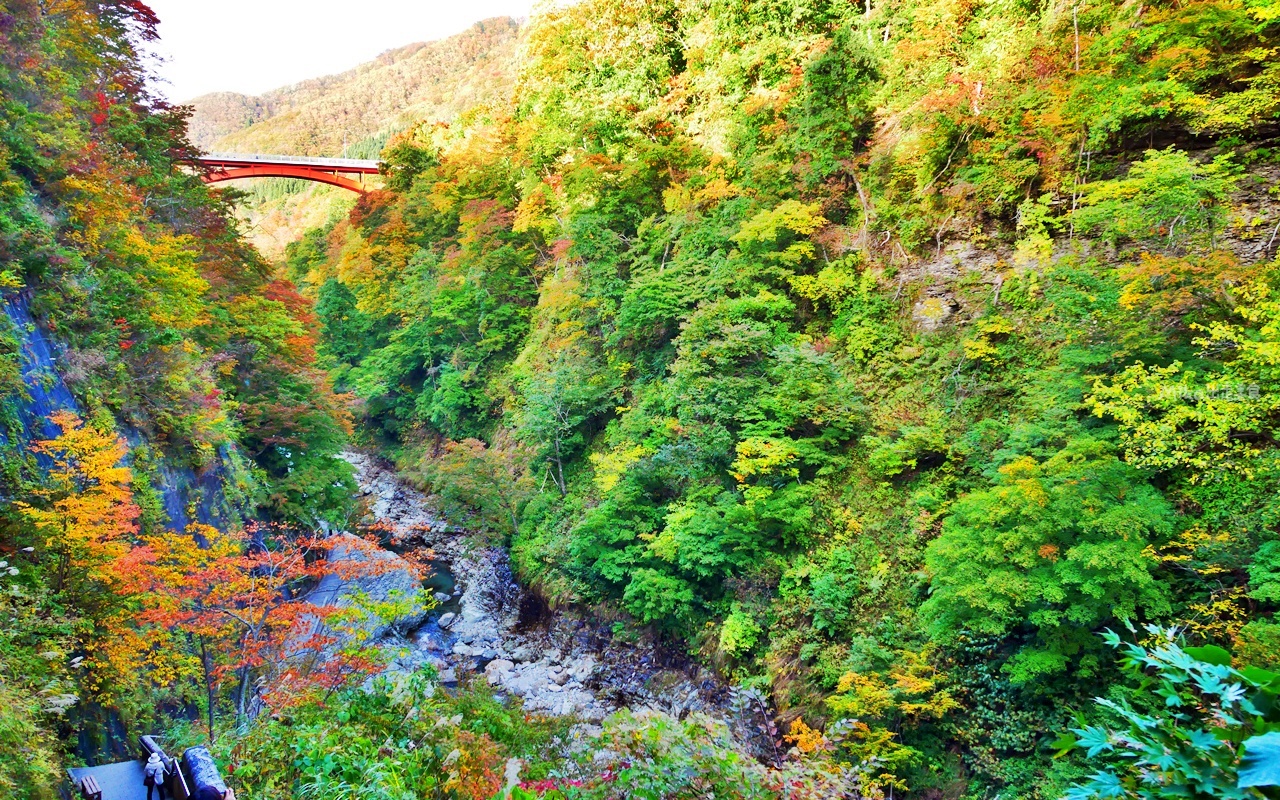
[[554, 662]]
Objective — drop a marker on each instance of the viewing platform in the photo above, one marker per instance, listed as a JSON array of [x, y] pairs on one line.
[[193, 776], [122, 781]]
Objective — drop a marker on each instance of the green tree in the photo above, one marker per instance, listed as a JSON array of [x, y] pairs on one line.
[[487, 486], [1052, 552], [348, 334], [1165, 198], [1209, 418], [29, 770], [558, 399]]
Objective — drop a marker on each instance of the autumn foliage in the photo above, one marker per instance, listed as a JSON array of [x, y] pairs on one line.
[[238, 607], [205, 606], [85, 511]]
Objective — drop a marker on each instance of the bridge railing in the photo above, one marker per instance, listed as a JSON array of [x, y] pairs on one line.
[[258, 158]]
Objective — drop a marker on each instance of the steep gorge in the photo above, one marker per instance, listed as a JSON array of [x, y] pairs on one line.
[[883, 356], [824, 400]]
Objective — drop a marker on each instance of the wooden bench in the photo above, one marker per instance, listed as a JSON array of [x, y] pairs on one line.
[[90, 789]]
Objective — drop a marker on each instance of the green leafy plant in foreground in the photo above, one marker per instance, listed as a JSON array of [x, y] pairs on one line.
[[1217, 735]]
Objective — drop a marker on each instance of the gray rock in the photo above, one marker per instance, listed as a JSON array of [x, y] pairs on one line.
[[405, 511], [526, 680], [430, 642], [482, 628], [583, 667]]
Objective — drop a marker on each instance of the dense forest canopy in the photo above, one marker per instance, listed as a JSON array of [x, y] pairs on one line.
[[882, 354], [910, 363]]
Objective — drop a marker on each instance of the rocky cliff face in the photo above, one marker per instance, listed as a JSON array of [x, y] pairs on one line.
[[187, 495], [968, 253]]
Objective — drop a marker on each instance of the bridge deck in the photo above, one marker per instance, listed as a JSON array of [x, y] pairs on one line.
[[121, 781], [350, 165]]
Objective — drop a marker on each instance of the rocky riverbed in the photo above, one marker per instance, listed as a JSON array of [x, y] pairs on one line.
[[486, 625]]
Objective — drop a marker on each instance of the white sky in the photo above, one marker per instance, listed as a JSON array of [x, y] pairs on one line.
[[252, 46]]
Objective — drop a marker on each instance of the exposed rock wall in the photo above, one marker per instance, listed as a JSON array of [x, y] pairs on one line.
[[966, 251], [187, 495]]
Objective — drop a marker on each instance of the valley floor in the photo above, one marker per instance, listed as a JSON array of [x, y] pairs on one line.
[[558, 662]]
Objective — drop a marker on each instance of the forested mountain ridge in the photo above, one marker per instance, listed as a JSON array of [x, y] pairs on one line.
[[426, 81]]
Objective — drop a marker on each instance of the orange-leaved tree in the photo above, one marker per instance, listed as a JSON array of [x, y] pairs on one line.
[[257, 606]]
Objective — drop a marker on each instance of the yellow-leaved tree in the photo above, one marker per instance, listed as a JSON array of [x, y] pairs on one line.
[[85, 516], [85, 510]]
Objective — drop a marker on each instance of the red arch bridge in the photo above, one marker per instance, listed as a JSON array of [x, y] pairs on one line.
[[347, 173]]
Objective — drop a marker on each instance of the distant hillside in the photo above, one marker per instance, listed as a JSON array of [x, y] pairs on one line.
[[221, 113], [359, 108], [432, 80]]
